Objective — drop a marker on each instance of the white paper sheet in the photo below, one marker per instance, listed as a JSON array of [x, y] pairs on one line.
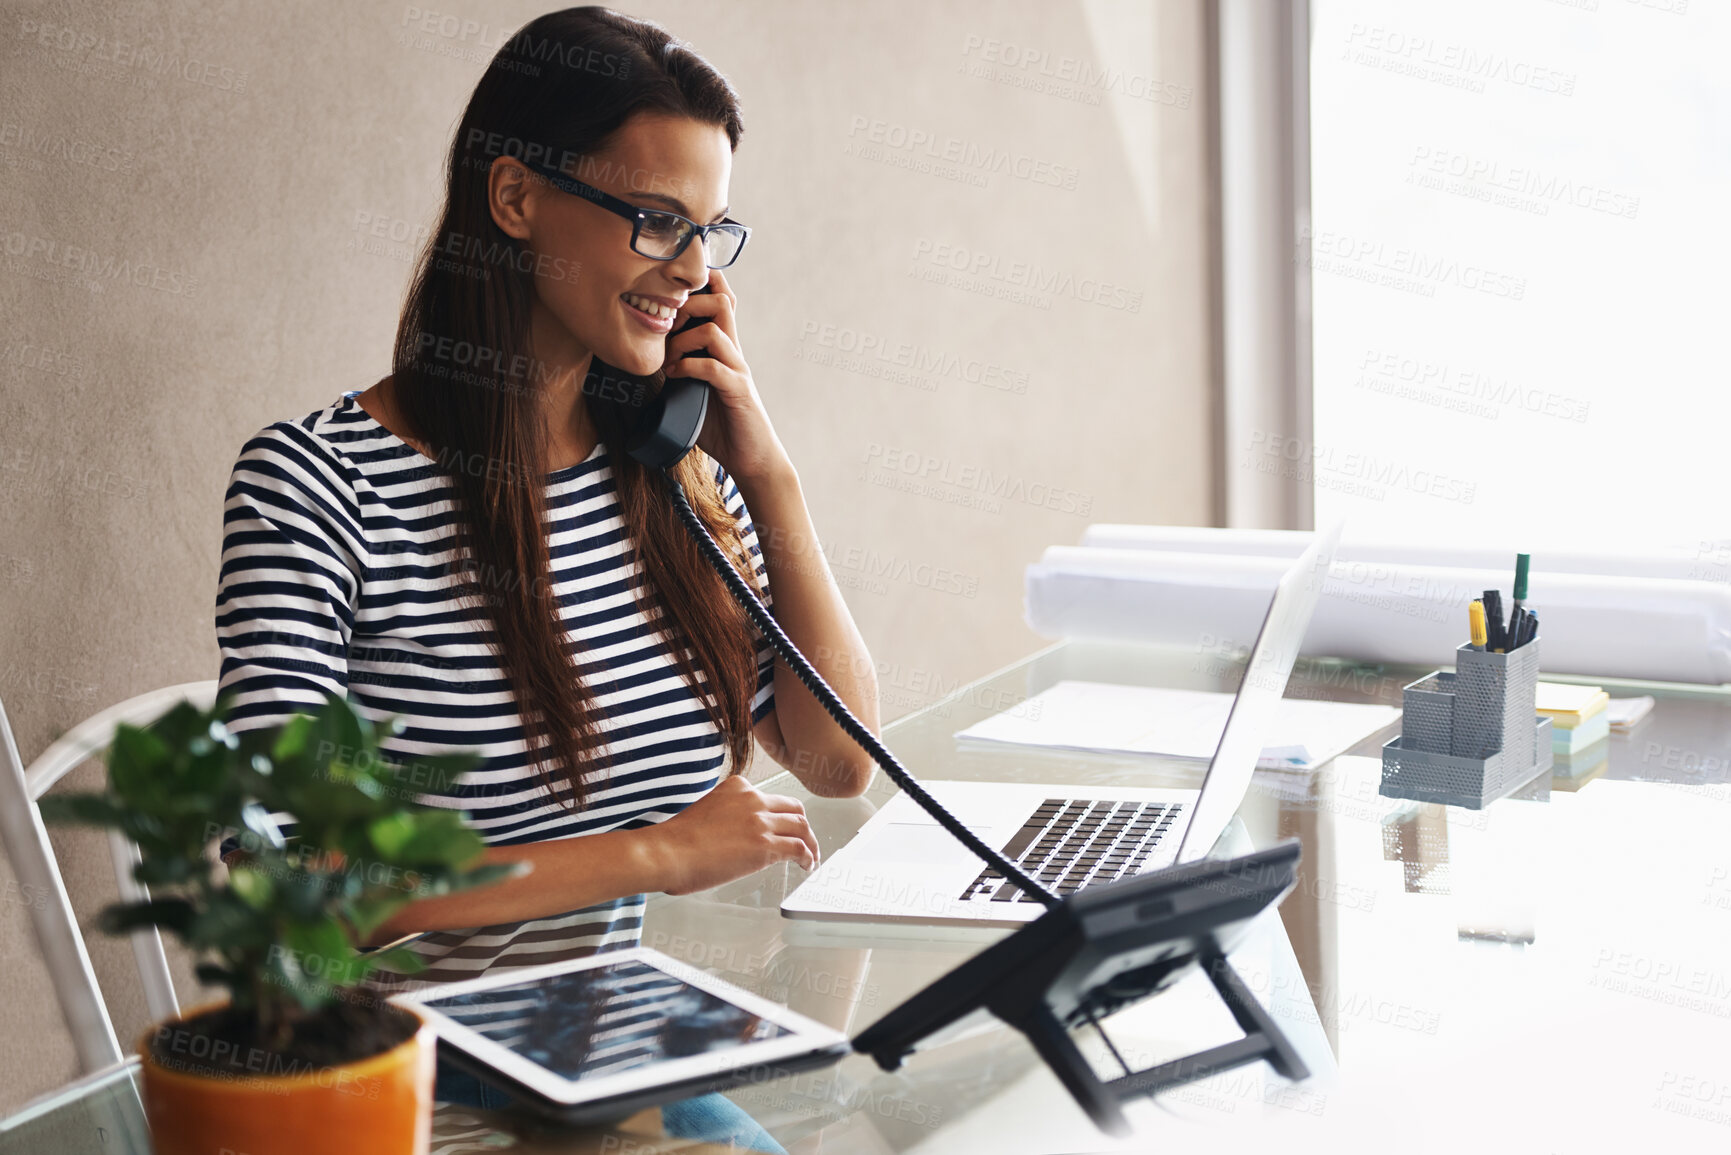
[[1079, 715]]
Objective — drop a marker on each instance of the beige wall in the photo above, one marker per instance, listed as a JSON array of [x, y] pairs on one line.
[[230, 185]]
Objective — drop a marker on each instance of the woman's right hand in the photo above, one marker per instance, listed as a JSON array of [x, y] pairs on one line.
[[730, 832]]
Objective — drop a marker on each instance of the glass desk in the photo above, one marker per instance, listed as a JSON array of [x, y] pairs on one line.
[[1550, 974]]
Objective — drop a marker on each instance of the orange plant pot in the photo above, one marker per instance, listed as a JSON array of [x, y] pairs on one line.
[[380, 1105]]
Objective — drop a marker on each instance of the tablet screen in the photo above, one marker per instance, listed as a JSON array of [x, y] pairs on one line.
[[605, 1019]]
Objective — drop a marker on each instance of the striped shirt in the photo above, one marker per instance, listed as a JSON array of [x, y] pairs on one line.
[[337, 576]]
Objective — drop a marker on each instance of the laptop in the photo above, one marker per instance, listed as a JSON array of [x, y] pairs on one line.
[[902, 867]]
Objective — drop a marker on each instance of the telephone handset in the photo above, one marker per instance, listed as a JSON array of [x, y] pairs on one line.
[[671, 424]]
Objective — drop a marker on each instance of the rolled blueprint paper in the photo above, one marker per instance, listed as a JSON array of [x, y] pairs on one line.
[[1670, 629], [1704, 560]]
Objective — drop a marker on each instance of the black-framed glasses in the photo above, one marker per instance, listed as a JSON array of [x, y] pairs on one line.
[[656, 233]]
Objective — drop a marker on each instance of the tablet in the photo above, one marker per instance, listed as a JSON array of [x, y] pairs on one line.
[[598, 1038]]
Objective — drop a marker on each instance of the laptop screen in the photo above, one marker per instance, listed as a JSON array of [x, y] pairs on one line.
[[1247, 726]]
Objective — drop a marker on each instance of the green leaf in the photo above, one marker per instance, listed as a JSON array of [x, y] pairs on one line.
[[352, 733], [429, 774], [323, 806], [153, 835], [228, 923], [208, 767], [137, 763], [173, 914], [89, 809], [435, 883], [398, 960], [167, 869], [188, 803], [325, 958], [368, 914], [363, 782], [282, 967], [322, 942], [441, 838], [255, 889], [302, 895], [214, 975], [291, 739], [491, 872], [336, 736], [392, 833], [181, 725]]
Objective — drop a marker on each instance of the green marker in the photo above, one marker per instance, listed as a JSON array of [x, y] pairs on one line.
[[1522, 560]]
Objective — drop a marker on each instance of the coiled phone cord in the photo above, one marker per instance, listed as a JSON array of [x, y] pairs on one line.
[[789, 653]]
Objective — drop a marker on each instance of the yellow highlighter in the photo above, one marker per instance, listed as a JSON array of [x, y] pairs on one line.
[[1476, 618]]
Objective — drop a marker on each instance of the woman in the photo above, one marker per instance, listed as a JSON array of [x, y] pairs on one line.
[[466, 545]]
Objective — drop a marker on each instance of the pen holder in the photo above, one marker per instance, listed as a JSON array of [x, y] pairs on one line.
[[1470, 737]]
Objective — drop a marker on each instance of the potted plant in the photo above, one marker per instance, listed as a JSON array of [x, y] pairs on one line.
[[300, 1058]]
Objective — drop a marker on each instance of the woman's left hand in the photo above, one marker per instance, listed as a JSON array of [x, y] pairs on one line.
[[737, 432]]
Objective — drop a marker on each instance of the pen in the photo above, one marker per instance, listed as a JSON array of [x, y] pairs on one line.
[[1494, 620], [1522, 560], [1476, 620], [1517, 627], [1532, 624]]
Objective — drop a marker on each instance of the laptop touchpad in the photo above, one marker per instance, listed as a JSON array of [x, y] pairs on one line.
[[910, 842]]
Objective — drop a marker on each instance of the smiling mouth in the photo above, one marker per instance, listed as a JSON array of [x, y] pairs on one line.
[[647, 307]]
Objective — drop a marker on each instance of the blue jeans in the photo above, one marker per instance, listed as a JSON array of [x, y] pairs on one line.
[[711, 1118]]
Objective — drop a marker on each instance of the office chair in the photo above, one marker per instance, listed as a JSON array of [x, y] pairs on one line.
[[38, 874]]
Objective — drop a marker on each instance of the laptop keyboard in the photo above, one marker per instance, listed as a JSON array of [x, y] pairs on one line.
[[1067, 845]]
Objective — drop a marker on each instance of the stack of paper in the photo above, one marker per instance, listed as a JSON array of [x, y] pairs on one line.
[[1577, 713], [1103, 716]]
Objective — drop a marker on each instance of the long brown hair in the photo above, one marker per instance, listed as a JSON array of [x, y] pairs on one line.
[[560, 88]]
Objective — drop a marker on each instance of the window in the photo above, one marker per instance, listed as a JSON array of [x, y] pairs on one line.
[[1521, 219]]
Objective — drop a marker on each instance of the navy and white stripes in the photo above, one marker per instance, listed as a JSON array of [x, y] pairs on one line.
[[337, 576]]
